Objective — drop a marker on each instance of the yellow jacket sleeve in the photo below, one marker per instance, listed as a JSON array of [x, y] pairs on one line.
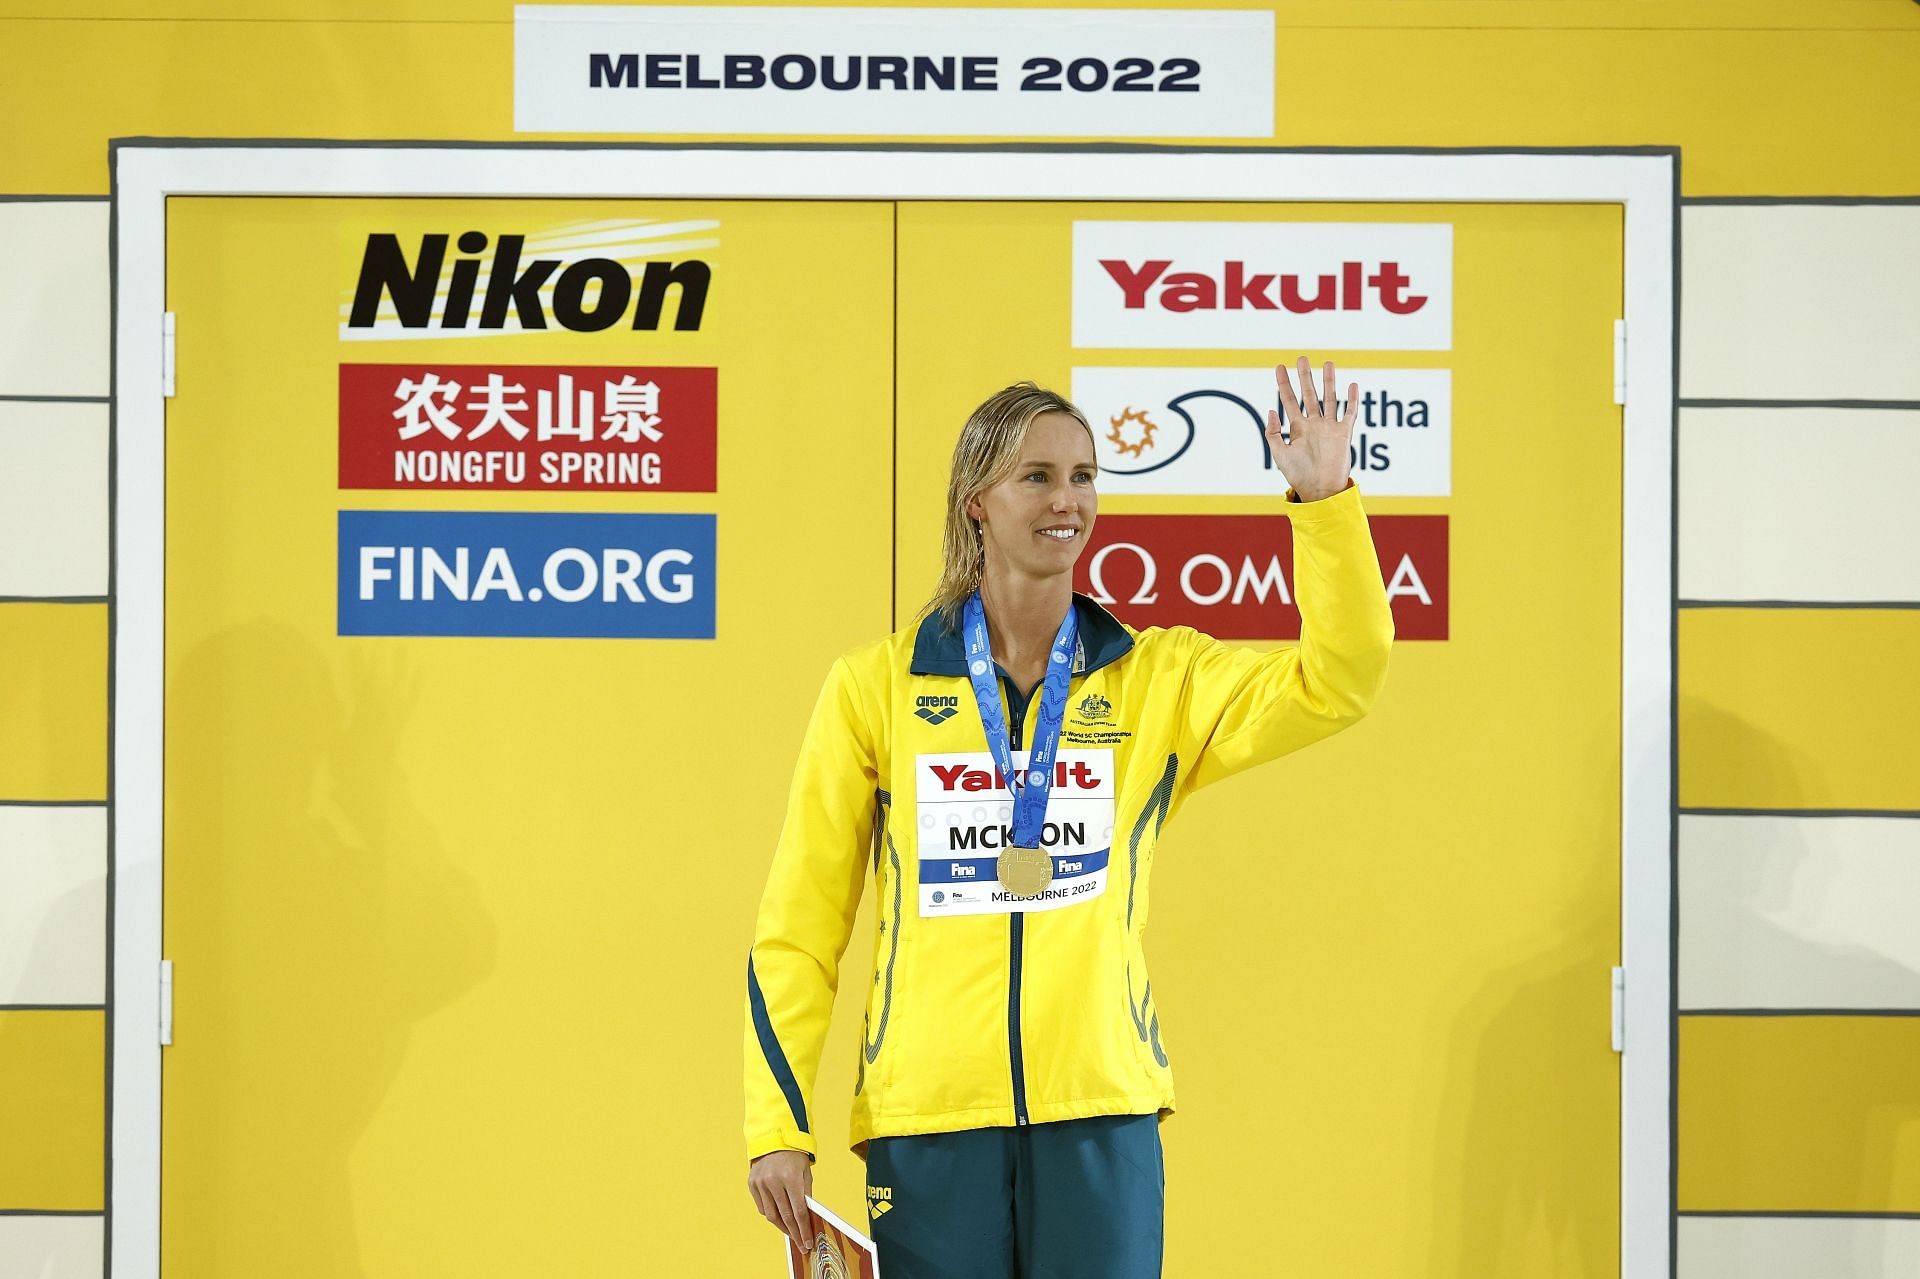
[[1246, 707], [806, 916]]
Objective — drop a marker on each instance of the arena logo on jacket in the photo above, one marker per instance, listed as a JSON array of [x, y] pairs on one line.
[[965, 818]]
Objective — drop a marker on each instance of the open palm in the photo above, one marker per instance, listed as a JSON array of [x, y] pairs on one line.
[[1315, 455]]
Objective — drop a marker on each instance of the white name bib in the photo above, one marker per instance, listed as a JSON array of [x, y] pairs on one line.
[[964, 818]]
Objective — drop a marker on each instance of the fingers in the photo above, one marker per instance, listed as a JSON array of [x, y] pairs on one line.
[[1311, 402], [1273, 429], [761, 1202], [775, 1204], [1286, 392], [793, 1204]]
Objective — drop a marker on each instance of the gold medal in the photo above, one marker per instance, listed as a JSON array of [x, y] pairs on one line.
[[1024, 872]]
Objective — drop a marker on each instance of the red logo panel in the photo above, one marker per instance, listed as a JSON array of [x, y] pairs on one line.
[[527, 426], [1231, 576]]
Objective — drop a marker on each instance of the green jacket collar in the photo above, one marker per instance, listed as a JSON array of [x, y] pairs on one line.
[[1103, 640]]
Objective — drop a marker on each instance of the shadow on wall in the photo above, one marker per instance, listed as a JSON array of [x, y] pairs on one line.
[[1797, 903], [1513, 1116], [314, 917], [1799, 917]]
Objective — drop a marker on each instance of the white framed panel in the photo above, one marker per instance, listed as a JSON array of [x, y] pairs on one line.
[[53, 498], [55, 312], [51, 1247], [1643, 180], [1799, 912], [53, 903], [1798, 1247], [1812, 504], [1801, 302]]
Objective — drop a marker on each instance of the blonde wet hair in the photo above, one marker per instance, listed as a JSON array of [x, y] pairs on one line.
[[986, 452]]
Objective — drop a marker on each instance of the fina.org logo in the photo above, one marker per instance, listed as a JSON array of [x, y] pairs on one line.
[[937, 710]]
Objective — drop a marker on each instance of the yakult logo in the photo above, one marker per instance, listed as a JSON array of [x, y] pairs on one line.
[[959, 778], [1264, 285], [1149, 283], [1231, 576]]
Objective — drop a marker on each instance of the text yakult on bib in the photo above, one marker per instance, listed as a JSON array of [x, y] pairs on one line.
[[965, 817]]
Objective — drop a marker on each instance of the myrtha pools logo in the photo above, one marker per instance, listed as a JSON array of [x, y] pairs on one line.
[[937, 710]]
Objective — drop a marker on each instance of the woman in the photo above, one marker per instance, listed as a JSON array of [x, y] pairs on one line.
[[1012, 1073]]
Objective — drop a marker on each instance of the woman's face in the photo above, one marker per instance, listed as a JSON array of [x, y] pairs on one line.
[[1037, 520]]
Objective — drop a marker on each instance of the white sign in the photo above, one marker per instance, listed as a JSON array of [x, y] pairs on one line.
[[1065, 73], [1262, 285], [964, 817], [1203, 431]]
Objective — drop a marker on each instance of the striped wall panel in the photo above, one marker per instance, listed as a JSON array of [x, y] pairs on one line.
[[53, 904], [1799, 1114], [53, 701], [1798, 1067], [54, 520], [38, 1247], [1799, 708], [53, 499], [54, 314], [52, 1110], [1800, 302], [1798, 1248], [1793, 912], [1812, 504]]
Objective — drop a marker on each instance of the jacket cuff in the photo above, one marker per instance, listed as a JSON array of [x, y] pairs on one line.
[[781, 1139], [1334, 506]]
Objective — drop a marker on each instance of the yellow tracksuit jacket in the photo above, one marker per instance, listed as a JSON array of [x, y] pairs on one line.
[[979, 1014]]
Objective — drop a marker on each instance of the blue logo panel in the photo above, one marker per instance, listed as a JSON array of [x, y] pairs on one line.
[[585, 575], [976, 870]]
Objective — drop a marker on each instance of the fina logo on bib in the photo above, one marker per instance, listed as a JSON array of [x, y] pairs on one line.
[[965, 819]]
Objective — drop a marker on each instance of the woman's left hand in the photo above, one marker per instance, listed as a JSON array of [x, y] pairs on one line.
[[1316, 459]]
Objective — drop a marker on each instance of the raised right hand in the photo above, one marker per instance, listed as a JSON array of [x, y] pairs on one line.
[[780, 1182]]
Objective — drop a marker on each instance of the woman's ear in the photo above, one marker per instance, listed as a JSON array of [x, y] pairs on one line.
[[974, 510]]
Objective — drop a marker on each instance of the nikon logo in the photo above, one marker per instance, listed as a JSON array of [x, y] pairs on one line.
[[511, 287]]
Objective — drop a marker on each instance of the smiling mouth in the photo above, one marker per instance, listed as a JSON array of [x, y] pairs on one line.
[[1059, 534]]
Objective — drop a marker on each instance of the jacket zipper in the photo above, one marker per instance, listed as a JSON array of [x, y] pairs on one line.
[[1017, 718]]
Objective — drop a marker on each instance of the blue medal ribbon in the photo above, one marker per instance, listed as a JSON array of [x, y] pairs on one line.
[[1029, 792]]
